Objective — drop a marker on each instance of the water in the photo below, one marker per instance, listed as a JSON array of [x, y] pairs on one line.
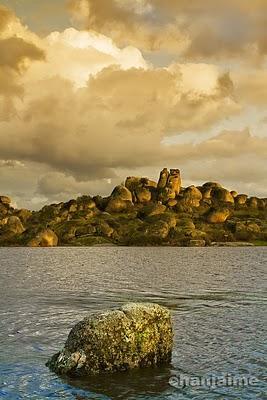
[[217, 297]]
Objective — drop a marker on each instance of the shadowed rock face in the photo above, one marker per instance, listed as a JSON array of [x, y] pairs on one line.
[[222, 195], [136, 335], [252, 202]]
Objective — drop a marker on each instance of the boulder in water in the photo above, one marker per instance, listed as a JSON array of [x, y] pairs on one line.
[[135, 335]]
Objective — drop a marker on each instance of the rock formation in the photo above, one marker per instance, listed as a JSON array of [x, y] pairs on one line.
[[169, 184], [141, 212], [133, 336]]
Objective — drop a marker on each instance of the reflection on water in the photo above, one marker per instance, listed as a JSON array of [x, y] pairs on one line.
[[217, 298]]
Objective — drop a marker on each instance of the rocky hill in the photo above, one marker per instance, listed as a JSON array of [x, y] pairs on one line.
[[141, 213]]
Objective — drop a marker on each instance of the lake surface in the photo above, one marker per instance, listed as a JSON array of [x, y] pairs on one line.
[[217, 297]]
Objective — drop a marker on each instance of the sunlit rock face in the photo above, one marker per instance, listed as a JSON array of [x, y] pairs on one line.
[[142, 189], [5, 200], [169, 184], [120, 200], [46, 238], [133, 336], [218, 216]]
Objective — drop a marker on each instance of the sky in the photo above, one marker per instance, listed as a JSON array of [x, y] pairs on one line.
[[92, 91]]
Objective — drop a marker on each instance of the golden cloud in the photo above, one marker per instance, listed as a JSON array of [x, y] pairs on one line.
[[15, 55], [111, 122], [251, 87], [194, 29]]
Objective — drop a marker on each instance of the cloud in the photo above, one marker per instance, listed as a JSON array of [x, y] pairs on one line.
[[16, 54], [251, 86], [59, 186], [111, 123], [244, 173], [195, 29], [225, 145], [76, 55], [10, 164], [6, 16], [128, 22]]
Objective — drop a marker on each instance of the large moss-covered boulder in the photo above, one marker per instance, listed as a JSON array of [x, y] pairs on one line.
[[142, 189], [135, 335], [118, 205], [120, 200], [152, 209], [133, 182], [122, 192], [222, 195], [191, 196]]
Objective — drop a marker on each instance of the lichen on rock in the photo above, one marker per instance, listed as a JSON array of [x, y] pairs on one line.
[[135, 335]]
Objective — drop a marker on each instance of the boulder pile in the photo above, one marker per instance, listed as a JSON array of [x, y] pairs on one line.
[[141, 212]]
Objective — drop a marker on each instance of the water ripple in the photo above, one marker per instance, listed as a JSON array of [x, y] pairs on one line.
[[217, 298]]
